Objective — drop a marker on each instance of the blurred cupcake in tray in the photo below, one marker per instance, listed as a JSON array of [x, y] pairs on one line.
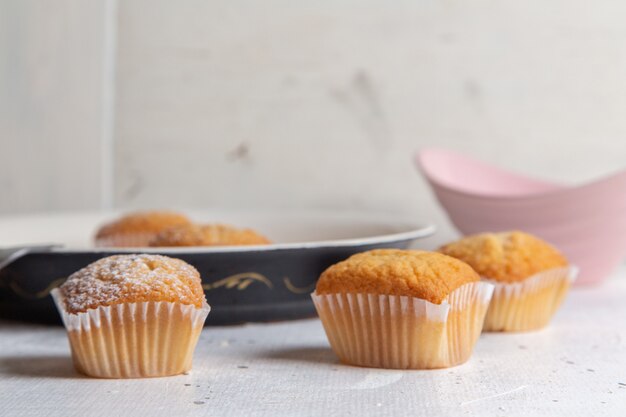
[[531, 277], [207, 235], [402, 309], [132, 316], [137, 229]]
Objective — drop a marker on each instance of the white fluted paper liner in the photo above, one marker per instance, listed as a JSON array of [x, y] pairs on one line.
[[398, 332], [133, 340], [528, 304], [125, 240]]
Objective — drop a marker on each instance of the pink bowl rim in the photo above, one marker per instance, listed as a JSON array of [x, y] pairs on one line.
[[563, 189]]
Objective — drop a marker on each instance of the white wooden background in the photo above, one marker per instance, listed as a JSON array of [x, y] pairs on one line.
[[143, 103]]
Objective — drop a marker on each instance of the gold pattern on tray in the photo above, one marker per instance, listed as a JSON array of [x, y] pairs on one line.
[[36, 295], [239, 281], [297, 290]]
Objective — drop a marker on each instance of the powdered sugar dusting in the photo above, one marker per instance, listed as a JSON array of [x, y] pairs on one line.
[[132, 278]]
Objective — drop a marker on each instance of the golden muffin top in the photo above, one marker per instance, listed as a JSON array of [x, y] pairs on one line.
[[131, 279], [142, 222], [427, 275], [207, 235], [506, 257]]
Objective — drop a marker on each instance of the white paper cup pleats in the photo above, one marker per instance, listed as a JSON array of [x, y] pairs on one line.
[[398, 332], [133, 340], [529, 304]]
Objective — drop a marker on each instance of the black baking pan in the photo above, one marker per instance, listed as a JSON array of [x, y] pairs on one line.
[[242, 284]]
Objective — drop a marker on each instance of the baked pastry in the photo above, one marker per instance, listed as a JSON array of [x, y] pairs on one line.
[[531, 277], [131, 316], [207, 235], [137, 229], [402, 309]]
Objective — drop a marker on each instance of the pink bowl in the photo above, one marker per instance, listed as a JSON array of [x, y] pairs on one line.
[[587, 222]]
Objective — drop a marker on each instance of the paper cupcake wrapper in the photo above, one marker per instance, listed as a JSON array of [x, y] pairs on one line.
[[529, 304], [133, 340], [125, 240], [398, 332]]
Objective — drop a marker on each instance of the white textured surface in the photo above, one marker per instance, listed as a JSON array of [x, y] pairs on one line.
[[576, 367], [51, 90], [292, 104]]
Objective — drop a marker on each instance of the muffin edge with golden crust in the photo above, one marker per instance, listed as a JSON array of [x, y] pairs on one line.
[[141, 222], [130, 279], [426, 275], [507, 256]]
